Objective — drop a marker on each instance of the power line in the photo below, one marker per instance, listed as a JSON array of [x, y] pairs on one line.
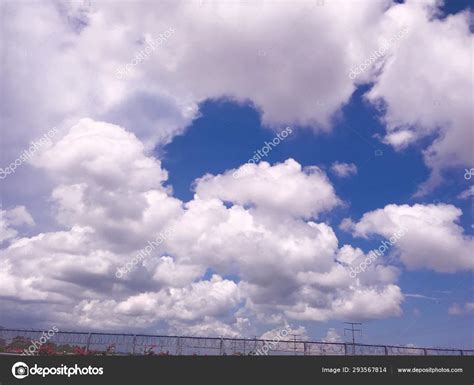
[[353, 330], [294, 342]]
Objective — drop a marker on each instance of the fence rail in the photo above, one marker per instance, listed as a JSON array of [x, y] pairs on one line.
[[65, 342]]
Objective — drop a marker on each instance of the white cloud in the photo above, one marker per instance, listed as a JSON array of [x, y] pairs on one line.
[[108, 191], [469, 192], [432, 238], [332, 336], [344, 170], [285, 188], [205, 298], [210, 327], [400, 139], [466, 308], [286, 333], [377, 303], [285, 264], [76, 50], [106, 180], [18, 216], [421, 296], [159, 99], [10, 219], [437, 93], [168, 273], [103, 154]]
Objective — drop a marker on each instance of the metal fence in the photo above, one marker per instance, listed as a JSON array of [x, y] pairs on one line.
[[16, 340]]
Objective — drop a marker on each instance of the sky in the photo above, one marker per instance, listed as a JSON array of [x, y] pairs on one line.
[[235, 168]]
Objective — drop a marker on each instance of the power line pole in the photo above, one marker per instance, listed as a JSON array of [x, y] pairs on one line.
[[299, 340], [353, 335], [294, 342]]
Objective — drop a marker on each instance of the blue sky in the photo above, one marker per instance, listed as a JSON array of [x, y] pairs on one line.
[[146, 112], [227, 134]]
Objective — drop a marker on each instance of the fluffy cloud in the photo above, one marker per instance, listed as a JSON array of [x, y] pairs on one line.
[[211, 327], [286, 333], [112, 35], [432, 238], [169, 273], [9, 219], [377, 271], [332, 336], [429, 104], [77, 49], [102, 154], [344, 169], [377, 302], [205, 298], [204, 229], [294, 191], [97, 168], [284, 265], [108, 193]]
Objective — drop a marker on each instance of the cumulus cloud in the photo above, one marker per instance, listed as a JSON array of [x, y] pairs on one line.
[[211, 327], [332, 336], [432, 237], [205, 298], [171, 274], [97, 168], [77, 49], [294, 190], [429, 104], [9, 219], [172, 77], [377, 302], [286, 333], [343, 170], [108, 194], [284, 264], [102, 154]]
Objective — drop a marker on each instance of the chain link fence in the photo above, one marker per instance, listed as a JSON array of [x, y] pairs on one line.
[[16, 341]]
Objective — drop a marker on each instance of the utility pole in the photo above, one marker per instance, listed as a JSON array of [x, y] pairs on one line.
[[353, 335], [294, 342]]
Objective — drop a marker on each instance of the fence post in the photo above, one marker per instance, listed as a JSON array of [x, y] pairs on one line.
[[386, 350], [221, 347], [178, 346], [88, 342], [133, 344], [304, 349], [345, 349], [462, 352], [425, 352]]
